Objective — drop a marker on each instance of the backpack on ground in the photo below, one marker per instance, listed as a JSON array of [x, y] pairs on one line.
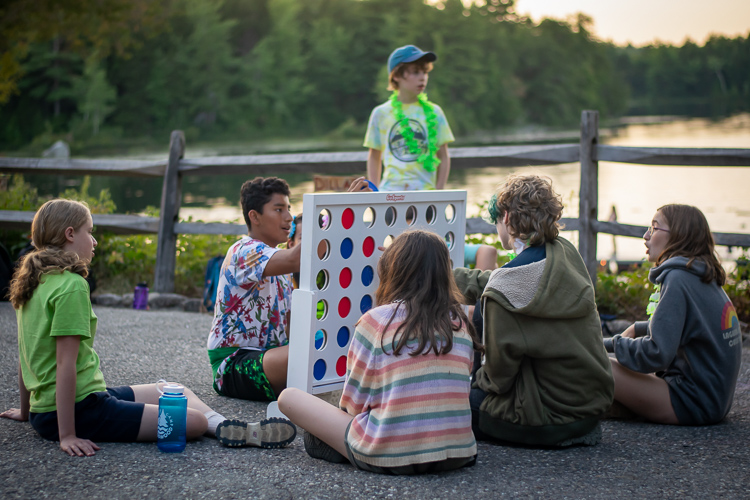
[[211, 283]]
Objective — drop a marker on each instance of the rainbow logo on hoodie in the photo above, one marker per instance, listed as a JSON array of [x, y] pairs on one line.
[[729, 317]]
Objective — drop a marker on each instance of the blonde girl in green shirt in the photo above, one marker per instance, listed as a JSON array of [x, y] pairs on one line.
[[63, 394]]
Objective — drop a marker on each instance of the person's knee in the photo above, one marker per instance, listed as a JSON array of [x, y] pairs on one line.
[[197, 424], [275, 363], [486, 258], [286, 397]]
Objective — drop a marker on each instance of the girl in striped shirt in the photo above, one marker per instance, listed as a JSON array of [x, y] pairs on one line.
[[405, 404]]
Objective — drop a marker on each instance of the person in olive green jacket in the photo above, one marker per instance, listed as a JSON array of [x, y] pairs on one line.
[[546, 379]]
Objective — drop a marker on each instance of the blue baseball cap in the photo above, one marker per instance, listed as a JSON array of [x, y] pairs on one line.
[[407, 54]]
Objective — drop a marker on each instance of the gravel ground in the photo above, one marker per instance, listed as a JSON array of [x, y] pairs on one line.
[[634, 459]]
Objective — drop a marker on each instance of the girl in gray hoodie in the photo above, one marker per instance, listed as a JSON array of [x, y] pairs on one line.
[[680, 366]]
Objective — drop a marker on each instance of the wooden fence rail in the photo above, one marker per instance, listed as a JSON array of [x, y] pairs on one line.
[[588, 152]]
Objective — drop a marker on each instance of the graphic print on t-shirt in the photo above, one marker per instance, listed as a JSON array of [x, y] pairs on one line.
[[399, 147]]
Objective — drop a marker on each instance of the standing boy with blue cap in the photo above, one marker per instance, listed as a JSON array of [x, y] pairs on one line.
[[408, 134]]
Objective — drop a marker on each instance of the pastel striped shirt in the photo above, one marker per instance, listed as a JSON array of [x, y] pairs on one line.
[[408, 409]]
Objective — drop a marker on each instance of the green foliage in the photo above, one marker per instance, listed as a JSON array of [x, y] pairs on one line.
[[102, 204], [624, 295], [738, 288], [19, 195], [123, 261], [95, 97], [239, 68]]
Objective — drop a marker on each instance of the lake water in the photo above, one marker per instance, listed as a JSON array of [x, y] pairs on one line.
[[635, 190], [722, 193]]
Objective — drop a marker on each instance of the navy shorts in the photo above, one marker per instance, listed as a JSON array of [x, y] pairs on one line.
[[109, 416]]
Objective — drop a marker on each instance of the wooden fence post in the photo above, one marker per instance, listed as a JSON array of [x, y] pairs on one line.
[[588, 208], [171, 197]]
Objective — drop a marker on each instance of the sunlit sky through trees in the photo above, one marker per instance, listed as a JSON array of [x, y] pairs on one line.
[[641, 22]]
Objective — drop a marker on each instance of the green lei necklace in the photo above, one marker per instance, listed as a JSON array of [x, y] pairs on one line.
[[653, 300], [428, 159]]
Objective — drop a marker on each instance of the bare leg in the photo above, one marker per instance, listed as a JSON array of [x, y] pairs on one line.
[[196, 420], [275, 366], [645, 394], [486, 258], [316, 416]]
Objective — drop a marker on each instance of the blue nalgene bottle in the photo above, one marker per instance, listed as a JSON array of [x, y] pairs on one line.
[[172, 418]]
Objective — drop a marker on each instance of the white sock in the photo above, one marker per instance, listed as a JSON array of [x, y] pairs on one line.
[[214, 419]]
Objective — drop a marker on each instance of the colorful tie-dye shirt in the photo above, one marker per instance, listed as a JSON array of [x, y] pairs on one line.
[[251, 312], [407, 409], [402, 172]]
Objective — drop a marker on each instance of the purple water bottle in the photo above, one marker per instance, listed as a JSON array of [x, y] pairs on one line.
[[140, 296]]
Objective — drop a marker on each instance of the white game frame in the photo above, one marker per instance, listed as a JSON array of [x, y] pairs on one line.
[[449, 222]]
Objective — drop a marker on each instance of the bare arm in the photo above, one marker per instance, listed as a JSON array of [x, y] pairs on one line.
[[283, 262], [25, 395], [65, 397], [444, 168], [374, 159], [20, 414]]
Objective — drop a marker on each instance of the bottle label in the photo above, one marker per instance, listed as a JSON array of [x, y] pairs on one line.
[[165, 425]]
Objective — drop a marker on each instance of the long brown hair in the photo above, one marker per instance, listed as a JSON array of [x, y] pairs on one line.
[[690, 236], [48, 237], [415, 272]]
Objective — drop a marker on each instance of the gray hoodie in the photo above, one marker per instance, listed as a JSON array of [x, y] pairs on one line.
[[692, 341]]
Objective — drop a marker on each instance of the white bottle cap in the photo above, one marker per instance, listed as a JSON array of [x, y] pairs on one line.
[[173, 388]]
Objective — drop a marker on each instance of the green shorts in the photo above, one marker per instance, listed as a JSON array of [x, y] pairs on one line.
[[244, 378]]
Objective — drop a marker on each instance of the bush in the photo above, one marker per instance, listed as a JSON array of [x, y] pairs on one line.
[[738, 288], [626, 295], [121, 261]]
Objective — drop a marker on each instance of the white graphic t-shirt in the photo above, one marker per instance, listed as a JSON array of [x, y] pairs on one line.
[[402, 172]]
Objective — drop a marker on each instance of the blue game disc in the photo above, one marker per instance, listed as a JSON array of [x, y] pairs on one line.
[[365, 304], [343, 336], [372, 186], [347, 247], [319, 369], [367, 276]]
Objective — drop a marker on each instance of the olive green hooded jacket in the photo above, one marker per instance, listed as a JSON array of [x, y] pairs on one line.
[[546, 371]]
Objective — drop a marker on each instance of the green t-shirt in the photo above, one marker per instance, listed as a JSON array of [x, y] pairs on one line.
[[59, 306]]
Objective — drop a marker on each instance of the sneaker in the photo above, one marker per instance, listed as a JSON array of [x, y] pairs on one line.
[[592, 438], [268, 433], [317, 448]]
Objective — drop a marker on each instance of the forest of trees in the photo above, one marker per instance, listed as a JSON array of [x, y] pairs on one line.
[[238, 69]]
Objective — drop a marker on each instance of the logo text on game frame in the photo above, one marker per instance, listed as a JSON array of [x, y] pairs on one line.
[[395, 197]]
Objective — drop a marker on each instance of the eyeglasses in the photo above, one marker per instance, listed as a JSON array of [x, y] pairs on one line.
[[651, 229]]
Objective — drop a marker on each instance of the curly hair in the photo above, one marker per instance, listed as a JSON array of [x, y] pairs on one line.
[[690, 236], [256, 193], [415, 271], [533, 208], [48, 236]]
